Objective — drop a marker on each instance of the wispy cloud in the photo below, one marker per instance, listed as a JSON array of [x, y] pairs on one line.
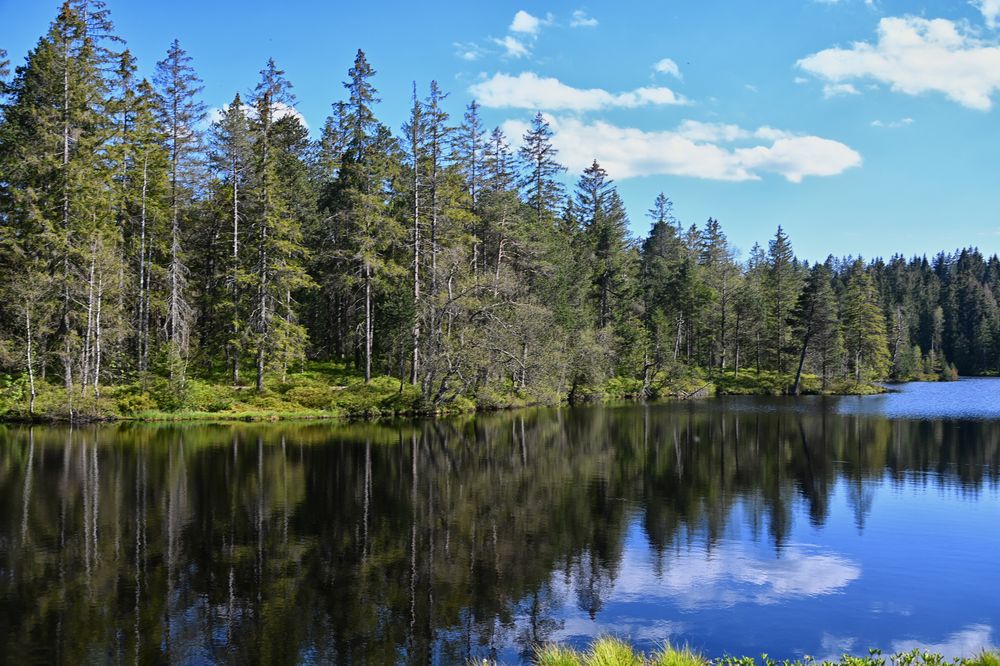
[[528, 24], [469, 50], [667, 66], [990, 9], [831, 90], [968, 642], [892, 124], [581, 19], [913, 56], [530, 91], [513, 47], [281, 111], [695, 149]]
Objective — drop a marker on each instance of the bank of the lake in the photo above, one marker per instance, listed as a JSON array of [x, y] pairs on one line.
[[611, 651], [337, 391]]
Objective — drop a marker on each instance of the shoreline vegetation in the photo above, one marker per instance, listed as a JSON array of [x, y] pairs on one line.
[[609, 651], [336, 391], [158, 263]]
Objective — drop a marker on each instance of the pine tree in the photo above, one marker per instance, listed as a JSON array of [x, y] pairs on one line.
[[863, 322], [180, 114], [143, 212], [661, 273], [720, 274], [782, 290], [231, 157], [541, 170], [56, 186], [606, 230], [280, 197], [370, 164], [815, 321]]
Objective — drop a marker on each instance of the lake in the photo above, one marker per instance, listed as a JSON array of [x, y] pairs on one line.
[[809, 526]]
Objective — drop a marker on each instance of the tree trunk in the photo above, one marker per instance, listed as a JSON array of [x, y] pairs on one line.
[[67, 362], [368, 322], [97, 336], [234, 345], [143, 278], [86, 354], [31, 365], [802, 361], [415, 369]]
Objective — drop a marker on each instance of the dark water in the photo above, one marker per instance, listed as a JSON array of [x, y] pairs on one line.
[[742, 525]]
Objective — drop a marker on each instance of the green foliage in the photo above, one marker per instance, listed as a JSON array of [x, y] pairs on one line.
[[441, 258], [611, 651]]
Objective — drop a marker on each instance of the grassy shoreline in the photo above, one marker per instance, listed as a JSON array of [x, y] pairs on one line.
[[327, 391], [609, 651]]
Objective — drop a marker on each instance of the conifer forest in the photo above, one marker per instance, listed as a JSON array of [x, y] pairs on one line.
[[154, 257]]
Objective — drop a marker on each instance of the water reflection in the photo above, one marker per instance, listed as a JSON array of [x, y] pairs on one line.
[[728, 527]]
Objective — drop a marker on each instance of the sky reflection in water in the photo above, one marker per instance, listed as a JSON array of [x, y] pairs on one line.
[[737, 526]]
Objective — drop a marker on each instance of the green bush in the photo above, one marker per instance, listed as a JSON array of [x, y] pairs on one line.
[[313, 396], [203, 397], [619, 388], [133, 403]]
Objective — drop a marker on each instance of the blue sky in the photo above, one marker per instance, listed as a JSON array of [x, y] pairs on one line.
[[862, 127]]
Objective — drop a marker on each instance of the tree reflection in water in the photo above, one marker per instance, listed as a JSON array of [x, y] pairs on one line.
[[434, 540]]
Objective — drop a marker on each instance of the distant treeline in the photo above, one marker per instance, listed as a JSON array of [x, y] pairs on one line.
[[137, 239]]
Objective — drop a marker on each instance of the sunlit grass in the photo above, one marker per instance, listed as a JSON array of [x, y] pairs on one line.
[[611, 651]]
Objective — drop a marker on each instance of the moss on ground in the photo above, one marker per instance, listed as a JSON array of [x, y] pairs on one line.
[[335, 390]]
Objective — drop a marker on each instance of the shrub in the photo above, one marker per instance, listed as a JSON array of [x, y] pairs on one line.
[[133, 403], [314, 396]]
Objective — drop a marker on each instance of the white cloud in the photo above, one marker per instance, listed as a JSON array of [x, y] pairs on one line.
[[580, 19], [696, 130], [513, 47], [667, 66], [281, 111], [468, 50], [915, 55], [839, 90], [732, 574], [990, 10], [530, 91], [693, 149], [751, 87], [893, 124], [528, 24], [800, 80], [965, 643]]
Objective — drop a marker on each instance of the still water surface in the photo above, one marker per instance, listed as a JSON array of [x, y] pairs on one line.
[[741, 526]]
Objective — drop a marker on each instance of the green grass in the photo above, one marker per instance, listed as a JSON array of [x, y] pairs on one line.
[[336, 390], [611, 651]]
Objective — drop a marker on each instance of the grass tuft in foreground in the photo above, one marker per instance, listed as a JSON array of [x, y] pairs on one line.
[[610, 651]]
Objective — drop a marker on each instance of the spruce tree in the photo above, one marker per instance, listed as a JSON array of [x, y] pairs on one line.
[[815, 322], [863, 322], [180, 114], [278, 145], [781, 289], [541, 170], [364, 196], [232, 159]]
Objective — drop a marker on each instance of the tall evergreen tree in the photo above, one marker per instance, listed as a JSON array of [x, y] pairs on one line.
[[541, 170], [781, 290], [181, 114], [815, 322], [864, 326], [278, 143], [232, 159]]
